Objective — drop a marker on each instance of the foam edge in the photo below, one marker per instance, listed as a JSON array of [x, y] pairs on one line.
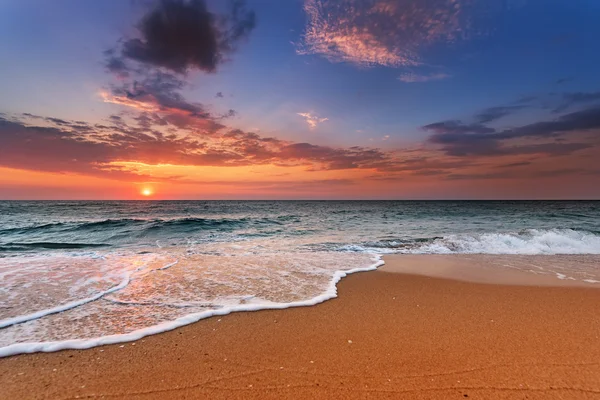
[[82, 344]]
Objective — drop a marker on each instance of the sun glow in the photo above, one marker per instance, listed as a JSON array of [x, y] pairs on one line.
[[147, 192]]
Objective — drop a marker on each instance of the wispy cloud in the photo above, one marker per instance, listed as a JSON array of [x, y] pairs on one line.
[[569, 100], [312, 120], [411, 77], [380, 32], [495, 113]]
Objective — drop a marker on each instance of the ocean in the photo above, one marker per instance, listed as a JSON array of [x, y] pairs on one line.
[[77, 274]]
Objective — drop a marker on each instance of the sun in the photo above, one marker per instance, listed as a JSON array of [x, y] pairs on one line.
[[147, 192]]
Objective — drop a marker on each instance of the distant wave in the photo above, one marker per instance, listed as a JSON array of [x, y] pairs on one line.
[[48, 245], [33, 228], [150, 224], [530, 241]]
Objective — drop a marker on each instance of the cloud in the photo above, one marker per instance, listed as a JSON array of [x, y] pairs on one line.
[[219, 95], [495, 113], [411, 77], [157, 95], [576, 121], [229, 114], [515, 164], [380, 32], [312, 120], [67, 149], [182, 35], [552, 173], [116, 65], [65, 146], [448, 128], [52, 144], [571, 99], [459, 139]]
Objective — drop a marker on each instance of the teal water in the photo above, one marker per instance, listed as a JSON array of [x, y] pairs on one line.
[[74, 273]]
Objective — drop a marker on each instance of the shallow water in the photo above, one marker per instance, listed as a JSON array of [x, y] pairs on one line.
[[73, 272]]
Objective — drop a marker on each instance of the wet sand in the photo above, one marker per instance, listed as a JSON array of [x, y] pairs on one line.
[[388, 335]]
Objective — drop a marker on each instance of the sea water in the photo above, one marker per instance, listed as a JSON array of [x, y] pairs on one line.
[[81, 274]]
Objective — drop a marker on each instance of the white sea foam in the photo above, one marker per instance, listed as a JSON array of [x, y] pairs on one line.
[[42, 313], [529, 242], [170, 264], [253, 304]]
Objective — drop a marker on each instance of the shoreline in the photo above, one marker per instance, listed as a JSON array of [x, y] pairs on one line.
[[494, 269], [387, 335], [84, 344], [476, 268]]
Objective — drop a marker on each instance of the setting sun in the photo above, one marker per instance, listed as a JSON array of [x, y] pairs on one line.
[[147, 192]]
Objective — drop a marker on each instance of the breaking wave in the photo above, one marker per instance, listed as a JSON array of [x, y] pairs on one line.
[[527, 242]]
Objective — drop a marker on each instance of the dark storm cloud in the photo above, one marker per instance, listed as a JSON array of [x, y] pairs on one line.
[[458, 139], [182, 35], [494, 113]]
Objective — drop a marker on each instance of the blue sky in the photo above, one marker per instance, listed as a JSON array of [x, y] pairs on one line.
[[380, 92]]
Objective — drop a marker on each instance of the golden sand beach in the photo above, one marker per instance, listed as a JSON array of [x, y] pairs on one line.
[[388, 335]]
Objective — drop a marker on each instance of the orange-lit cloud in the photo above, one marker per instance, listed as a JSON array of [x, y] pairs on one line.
[[182, 149], [128, 151], [380, 32], [125, 101], [312, 120]]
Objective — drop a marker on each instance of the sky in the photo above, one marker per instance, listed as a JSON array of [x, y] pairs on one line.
[[300, 99]]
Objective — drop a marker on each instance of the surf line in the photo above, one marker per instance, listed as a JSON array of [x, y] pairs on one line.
[[330, 293], [73, 304], [39, 314]]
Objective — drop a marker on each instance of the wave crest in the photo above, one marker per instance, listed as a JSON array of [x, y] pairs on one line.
[[529, 242]]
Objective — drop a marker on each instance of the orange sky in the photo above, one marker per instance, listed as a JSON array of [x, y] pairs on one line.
[[313, 99]]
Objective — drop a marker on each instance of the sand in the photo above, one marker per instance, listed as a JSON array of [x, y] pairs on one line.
[[388, 335]]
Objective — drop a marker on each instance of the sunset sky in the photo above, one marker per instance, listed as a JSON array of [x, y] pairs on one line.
[[300, 99]]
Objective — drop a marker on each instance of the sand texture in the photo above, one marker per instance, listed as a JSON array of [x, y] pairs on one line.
[[388, 335]]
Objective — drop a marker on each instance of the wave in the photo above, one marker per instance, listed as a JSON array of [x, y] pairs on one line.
[[148, 224], [527, 242], [33, 347], [48, 245], [42, 313], [33, 228]]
